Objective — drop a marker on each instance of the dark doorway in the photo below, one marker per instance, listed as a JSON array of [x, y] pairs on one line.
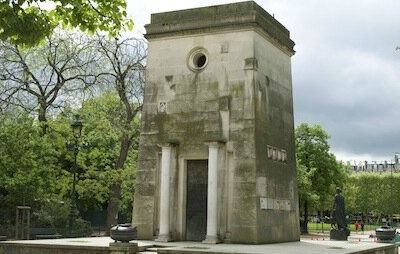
[[196, 200]]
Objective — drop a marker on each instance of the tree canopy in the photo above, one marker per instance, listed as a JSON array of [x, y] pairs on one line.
[[373, 192], [102, 79], [318, 171], [29, 21], [35, 169]]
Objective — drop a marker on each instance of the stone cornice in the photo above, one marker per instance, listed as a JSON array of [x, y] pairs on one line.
[[220, 17]]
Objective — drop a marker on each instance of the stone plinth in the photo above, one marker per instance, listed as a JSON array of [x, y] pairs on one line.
[[123, 248], [340, 235]]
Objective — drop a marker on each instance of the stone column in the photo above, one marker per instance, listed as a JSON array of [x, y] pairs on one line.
[[164, 235], [212, 193]]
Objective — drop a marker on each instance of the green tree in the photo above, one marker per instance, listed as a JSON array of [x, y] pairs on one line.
[[318, 170], [102, 134], [374, 192], [35, 170], [30, 165], [123, 72], [29, 21]]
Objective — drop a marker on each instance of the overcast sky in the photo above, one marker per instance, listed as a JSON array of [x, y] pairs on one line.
[[346, 70]]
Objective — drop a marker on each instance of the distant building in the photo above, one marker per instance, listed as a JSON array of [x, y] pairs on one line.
[[376, 166]]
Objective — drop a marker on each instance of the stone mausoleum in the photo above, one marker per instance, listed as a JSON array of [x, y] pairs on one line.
[[217, 156]]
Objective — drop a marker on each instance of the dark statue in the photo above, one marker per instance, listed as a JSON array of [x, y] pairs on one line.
[[339, 215], [339, 229]]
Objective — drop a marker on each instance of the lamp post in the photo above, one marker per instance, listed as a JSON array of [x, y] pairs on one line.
[[391, 193], [76, 127]]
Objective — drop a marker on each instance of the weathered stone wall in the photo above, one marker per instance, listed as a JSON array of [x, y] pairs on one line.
[[211, 105], [242, 99], [276, 173]]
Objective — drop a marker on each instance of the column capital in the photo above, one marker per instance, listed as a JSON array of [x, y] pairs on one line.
[[168, 144], [214, 143]]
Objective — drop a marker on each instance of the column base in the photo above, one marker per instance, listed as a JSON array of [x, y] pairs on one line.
[[163, 238], [211, 239]]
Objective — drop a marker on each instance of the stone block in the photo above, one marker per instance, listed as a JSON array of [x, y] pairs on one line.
[[244, 234], [244, 170], [123, 248], [145, 188]]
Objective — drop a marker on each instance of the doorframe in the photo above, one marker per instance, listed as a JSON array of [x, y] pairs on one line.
[[182, 189]]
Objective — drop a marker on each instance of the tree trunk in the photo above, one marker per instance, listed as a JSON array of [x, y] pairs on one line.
[[115, 190], [304, 228], [42, 119], [113, 205]]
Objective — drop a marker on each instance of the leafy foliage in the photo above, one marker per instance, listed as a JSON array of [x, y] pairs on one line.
[[27, 22], [46, 81], [35, 169], [102, 134], [29, 164], [318, 171], [373, 192]]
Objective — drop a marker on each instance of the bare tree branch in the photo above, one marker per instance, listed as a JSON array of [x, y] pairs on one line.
[[47, 74]]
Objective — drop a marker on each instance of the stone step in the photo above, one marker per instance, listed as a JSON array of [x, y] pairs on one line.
[[148, 252]]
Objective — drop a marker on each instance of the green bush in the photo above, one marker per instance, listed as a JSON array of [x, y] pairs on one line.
[[53, 214], [82, 228]]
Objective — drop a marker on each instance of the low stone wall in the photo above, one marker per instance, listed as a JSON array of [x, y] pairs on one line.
[[12, 248], [393, 249], [20, 248]]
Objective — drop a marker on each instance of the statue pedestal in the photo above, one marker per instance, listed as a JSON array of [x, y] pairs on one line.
[[340, 235]]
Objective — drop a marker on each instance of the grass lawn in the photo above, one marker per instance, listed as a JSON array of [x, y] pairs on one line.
[[324, 227]]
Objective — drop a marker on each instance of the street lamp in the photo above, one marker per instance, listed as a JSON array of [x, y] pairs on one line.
[[76, 127]]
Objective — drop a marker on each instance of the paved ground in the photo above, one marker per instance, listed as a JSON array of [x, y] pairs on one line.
[[304, 246], [312, 244]]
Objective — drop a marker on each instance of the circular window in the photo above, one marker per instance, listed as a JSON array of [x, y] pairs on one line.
[[198, 59]]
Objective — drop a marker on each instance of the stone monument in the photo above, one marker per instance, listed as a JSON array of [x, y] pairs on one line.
[[217, 154], [339, 229]]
